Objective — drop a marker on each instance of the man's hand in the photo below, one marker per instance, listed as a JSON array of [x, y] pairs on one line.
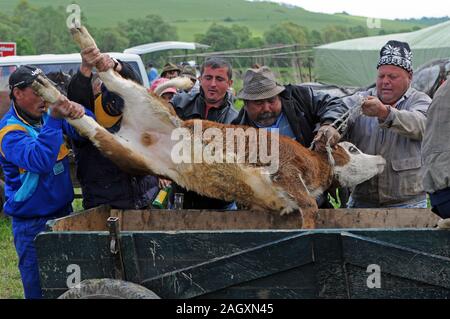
[[375, 108], [89, 58], [326, 134], [65, 108], [76, 111], [105, 63]]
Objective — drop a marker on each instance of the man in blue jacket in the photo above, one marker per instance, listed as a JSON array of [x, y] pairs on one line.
[[36, 167]]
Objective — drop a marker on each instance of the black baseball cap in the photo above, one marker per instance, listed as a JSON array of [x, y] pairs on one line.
[[23, 76]]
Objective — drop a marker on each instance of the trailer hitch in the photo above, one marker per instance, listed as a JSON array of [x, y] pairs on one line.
[[115, 247]]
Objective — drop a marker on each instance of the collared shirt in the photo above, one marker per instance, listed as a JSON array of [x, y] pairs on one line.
[[282, 124], [398, 140]]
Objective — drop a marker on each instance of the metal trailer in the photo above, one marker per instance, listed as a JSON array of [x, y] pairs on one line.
[[357, 253]]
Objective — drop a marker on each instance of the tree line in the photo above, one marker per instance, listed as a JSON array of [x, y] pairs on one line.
[[40, 30]]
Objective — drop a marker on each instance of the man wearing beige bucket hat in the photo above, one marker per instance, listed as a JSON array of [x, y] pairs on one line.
[[295, 110]]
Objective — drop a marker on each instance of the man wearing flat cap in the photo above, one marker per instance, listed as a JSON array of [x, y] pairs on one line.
[[392, 125], [34, 159], [170, 71], [191, 73], [296, 111]]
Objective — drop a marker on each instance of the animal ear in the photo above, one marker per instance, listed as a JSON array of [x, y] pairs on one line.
[[341, 156]]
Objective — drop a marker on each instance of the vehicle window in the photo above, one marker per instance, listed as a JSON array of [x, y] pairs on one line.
[[68, 68], [135, 67], [59, 73]]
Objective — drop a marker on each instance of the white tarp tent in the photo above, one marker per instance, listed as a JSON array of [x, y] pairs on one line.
[[353, 62]]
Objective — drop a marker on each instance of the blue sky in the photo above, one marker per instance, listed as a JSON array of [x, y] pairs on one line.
[[388, 9]]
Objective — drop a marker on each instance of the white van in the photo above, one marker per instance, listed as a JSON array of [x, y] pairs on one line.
[[66, 64]]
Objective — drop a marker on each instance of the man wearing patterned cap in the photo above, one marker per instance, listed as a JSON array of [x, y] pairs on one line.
[[392, 125]]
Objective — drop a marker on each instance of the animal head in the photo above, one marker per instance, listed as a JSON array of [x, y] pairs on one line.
[[353, 166], [61, 80]]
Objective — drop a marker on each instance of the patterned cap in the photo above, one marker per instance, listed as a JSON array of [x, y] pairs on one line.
[[396, 53]]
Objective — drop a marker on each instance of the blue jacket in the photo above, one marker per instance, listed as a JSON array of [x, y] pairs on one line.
[[35, 165]]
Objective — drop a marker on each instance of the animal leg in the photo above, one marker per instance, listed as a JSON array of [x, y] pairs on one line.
[[179, 82], [309, 217], [45, 89], [444, 223], [118, 150], [308, 209], [82, 37]]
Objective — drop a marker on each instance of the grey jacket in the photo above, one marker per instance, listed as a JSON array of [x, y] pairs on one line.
[[436, 143], [398, 140]]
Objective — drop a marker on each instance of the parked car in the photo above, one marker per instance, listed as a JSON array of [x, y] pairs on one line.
[[58, 67]]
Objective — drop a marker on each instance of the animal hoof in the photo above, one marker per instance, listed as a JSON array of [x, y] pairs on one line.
[[444, 223], [82, 37]]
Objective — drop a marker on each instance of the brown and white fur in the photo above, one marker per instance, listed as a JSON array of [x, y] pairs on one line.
[[143, 146]]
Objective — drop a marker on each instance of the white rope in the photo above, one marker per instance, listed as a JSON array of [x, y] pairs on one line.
[[304, 184], [344, 118], [347, 115]]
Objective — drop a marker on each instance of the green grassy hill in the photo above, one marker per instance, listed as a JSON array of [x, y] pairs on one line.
[[195, 16]]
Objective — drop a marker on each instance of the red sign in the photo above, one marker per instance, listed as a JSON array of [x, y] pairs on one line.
[[7, 48]]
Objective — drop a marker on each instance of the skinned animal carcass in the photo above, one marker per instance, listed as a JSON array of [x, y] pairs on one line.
[[148, 142]]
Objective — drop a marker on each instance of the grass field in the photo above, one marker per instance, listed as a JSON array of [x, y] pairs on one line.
[[10, 282], [195, 16]]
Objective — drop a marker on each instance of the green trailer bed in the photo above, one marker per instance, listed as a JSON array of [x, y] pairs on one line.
[[358, 253]]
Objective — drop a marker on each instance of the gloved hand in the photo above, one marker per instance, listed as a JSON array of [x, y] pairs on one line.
[[326, 134]]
